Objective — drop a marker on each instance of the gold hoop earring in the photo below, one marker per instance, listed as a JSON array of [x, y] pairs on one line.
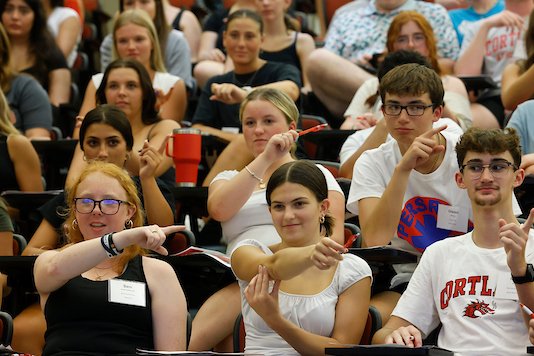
[[128, 224], [74, 224], [321, 219]]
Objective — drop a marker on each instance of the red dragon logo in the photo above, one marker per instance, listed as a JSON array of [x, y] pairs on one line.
[[479, 306]]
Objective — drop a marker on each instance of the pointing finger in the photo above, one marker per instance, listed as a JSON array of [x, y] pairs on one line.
[[528, 224], [434, 131], [172, 229]]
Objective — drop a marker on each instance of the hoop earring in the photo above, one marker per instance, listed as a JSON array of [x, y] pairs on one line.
[[74, 224], [128, 224], [84, 158], [321, 219]]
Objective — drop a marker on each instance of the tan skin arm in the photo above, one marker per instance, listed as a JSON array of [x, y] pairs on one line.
[[26, 163], [192, 30], [305, 45], [169, 306], [45, 238], [68, 34], [207, 50], [174, 104], [227, 136], [6, 243], [516, 87], [59, 87]]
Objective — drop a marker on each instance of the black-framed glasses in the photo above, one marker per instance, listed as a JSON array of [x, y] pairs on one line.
[[411, 109], [496, 168], [106, 206]]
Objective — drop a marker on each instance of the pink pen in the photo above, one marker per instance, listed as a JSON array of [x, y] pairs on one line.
[[313, 129], [527, 310]]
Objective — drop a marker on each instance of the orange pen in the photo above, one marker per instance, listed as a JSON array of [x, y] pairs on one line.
[[313, 129]]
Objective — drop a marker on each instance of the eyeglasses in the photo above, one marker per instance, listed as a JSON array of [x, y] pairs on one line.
[[497, 168], [411, 109], [106, 206], [417, 39]]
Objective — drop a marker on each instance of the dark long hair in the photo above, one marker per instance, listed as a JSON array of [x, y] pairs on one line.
[[109, 115], [149, 114], [308, 175], [41, 40]]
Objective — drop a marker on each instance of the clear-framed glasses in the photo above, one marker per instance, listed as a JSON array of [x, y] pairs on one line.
[[106, 206], [496, 168], [411, 109], [416, 38]]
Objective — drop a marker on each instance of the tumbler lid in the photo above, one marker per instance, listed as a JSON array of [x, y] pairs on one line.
[[186, 130]]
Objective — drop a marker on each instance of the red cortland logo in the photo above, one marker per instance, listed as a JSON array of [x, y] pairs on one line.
[[477, 309]]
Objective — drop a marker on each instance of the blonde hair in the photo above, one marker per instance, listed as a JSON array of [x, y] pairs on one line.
[[6, 127], [119, 174], [278, 98], [140, 18]]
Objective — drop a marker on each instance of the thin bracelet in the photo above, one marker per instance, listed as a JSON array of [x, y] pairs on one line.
[[254, 175]]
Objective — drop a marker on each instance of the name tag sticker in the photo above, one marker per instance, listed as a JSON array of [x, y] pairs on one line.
[[452, 218], [127, 292], [505, 287]]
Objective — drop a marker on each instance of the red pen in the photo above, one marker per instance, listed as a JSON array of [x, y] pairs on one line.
[[527, 310], [313, 129]]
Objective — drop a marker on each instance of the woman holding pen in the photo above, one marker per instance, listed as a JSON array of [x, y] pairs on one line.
[[237, 200]]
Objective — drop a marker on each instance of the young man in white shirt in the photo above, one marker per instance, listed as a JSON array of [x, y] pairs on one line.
[[472, 284]]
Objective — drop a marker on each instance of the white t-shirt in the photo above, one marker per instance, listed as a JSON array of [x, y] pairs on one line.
[[314, 313], [500, 45], [253, 220], [162, 81], [54, 21], [456, 283]]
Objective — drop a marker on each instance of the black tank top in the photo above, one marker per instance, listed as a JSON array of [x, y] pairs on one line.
[[287, 55], [81, 320]]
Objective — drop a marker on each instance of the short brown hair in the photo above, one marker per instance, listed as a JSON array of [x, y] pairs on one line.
[[412, 79], [489, 141]]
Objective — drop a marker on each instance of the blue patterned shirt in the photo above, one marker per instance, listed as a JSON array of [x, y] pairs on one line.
[[363, 30]]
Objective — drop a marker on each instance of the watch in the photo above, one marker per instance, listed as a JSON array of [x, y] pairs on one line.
[[528, 277]]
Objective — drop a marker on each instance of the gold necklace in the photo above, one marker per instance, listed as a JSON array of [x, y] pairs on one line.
[[99, 277], [436, 160]]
